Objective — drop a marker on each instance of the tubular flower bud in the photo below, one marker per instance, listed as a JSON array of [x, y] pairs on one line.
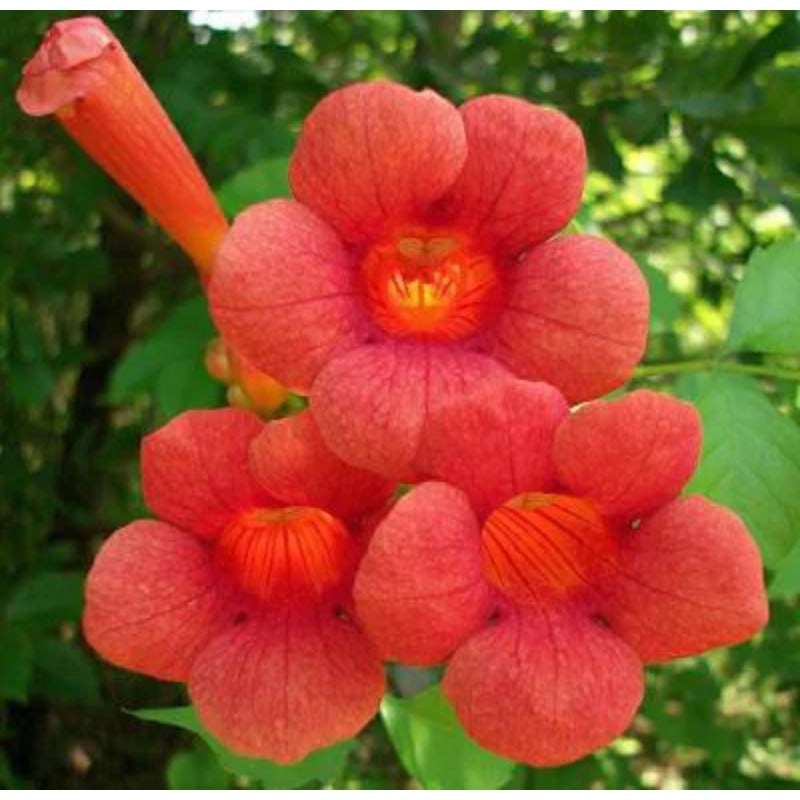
[[82, 75]]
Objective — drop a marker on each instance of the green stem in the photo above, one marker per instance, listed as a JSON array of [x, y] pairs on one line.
[[710, 365]]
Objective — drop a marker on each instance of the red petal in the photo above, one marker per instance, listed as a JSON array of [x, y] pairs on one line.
[[420, 591], [575, 316], [690, 578], [524, 174], [283, 685], [497, 443], [630, 455], [195, 472], [154, 600], [283, 292], [293, 464], [56, 75], [372, 404], [544, 687], [83, 75], [375, 154]]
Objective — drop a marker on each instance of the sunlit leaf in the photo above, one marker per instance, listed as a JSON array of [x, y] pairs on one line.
[[434, 748], [766, 313], [750, 460], [263, 180], [786, 582]]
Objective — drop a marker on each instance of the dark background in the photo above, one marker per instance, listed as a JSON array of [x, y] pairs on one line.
[[692, 121]]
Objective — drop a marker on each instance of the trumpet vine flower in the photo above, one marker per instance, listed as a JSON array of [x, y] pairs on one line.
[[241, 587], [417, 262], [552, 561]]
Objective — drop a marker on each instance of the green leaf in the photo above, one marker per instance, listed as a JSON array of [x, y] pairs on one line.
[[62, 671], [260, 181], [47, 599], [701, 184], [771, 125], [750, 460], [603, 153], [712, 105], [169, 363], [196, 769], [433, 747], [665, 305], [578, 775], [642, 121], [31, 380], [186, 384], [786, 581], [16, 664], [321, 765], [766, 317], [694, 686], [31, 383]]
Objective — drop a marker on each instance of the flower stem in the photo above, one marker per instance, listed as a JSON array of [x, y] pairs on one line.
[[711, 365]]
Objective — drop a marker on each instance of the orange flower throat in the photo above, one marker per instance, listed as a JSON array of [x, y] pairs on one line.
[[282, 554], [537, 545], [428, 285]]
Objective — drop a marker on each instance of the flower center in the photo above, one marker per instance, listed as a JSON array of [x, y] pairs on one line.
[[537, 545], [287, 553], [429, 286]]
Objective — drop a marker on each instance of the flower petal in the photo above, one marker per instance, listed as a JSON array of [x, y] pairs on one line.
[[544, 687], [154, 600], [292, 463], [419, 591], [631, 455], [57, 74], [372, 404], [496, 443], [283, 292], [575, 316], [374, 154], [688, 579], [287, 683], [194, 469], [524, 174]]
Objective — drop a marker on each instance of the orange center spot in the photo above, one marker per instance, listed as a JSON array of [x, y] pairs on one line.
[[430, 286], [540, 544], [287, 553]]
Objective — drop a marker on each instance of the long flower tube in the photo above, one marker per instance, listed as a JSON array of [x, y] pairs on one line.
[[82, 76]]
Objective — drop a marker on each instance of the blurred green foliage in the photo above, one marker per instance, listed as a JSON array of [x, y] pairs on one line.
[[692, 124]]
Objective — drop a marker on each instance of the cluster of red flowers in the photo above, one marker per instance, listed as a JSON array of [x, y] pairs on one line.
[[415, 289]]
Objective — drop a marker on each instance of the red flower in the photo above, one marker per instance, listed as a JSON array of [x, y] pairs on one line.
[[562, 562], [83, 75], [243, 588], [417, 263]]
